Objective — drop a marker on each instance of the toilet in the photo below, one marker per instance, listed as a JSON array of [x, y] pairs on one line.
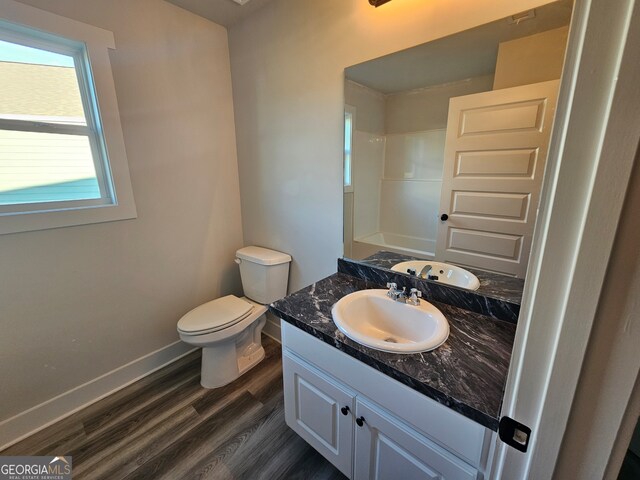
[[229, 328]]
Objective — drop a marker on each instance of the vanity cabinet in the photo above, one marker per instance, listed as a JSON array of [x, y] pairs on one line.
[[371, 426]]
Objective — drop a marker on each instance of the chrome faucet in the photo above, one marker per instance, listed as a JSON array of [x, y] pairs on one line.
[[424, 273], [396, 294]]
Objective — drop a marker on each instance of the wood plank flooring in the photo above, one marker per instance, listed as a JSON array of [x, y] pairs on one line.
[[166, 426]]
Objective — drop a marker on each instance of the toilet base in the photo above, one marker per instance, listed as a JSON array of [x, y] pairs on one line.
[[251, 360], [224, 362], [218, 372]]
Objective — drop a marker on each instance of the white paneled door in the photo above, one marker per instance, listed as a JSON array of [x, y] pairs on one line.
[[495, 153]]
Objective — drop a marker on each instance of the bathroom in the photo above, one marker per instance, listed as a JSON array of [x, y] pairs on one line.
[[223, 152]]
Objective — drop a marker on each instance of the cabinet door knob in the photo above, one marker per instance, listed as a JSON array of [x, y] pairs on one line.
[[360, 421], [345, 410], [444, 217]]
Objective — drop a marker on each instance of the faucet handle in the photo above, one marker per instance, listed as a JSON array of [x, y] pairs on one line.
[[392, 285], [414, 299]]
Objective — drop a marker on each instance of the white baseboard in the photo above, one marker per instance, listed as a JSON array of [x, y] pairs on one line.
[[272, 327], [26, 423]]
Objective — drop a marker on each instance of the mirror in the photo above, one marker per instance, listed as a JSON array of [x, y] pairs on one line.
[[446, 143]]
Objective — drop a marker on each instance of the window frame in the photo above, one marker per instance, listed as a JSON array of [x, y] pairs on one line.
[[89, 46]]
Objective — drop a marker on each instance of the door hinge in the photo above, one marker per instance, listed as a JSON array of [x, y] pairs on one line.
[[514, 434]]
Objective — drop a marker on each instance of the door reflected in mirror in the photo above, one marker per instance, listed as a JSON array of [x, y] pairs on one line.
[[446, 143]]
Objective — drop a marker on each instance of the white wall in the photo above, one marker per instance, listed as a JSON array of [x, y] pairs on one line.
[[369, 104], [609, 366], [81, 301], [428, 108], [288, 87], [533, 59]]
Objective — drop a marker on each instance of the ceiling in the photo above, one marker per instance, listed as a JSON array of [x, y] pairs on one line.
[[474, 51], [464, 55], [222, 12]]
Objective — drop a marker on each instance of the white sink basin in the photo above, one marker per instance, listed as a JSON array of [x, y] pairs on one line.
[[371, 318], [448, 274]]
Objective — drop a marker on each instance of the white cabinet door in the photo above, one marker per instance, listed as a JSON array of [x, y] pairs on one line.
[[385, 449], [315, 407]]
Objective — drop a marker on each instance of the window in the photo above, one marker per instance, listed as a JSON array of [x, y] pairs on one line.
[[59, 164], [349, 121], [51, 149]]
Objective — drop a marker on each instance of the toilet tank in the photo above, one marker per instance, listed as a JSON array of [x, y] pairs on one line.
[[264, 273]]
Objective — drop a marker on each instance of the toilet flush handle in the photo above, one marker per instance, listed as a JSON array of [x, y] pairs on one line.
[[238, 261]]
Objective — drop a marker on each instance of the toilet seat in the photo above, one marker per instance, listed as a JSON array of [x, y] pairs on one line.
[[215, 315]]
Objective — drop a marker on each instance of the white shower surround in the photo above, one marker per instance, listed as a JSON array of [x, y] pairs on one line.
[[397, 184]]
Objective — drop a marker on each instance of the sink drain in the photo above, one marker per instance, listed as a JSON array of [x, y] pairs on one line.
[[390, 340]]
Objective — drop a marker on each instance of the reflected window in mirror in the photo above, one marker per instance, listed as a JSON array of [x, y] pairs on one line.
[[349, 120]]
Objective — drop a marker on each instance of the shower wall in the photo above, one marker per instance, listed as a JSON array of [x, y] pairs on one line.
[[362, 202], [368, 165], [411, 183], [398, 156]]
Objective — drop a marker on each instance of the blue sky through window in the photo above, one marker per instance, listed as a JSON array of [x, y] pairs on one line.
[[11, 52]]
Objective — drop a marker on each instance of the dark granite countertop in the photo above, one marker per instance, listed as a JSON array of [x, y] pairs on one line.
[[494, 285], [467, 373]]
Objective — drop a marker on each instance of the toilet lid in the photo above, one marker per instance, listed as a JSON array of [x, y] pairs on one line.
[[215, 315]]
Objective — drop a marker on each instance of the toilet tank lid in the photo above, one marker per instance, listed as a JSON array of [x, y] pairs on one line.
[[263, 256]]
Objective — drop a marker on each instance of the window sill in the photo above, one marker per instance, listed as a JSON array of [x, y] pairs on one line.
[[45, 220]]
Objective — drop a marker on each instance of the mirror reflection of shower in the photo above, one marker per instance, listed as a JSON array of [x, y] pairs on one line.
[[396, 160], [398, 177]]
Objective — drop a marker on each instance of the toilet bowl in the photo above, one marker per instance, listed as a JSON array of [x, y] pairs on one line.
[[229, 328], [230, 342]]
